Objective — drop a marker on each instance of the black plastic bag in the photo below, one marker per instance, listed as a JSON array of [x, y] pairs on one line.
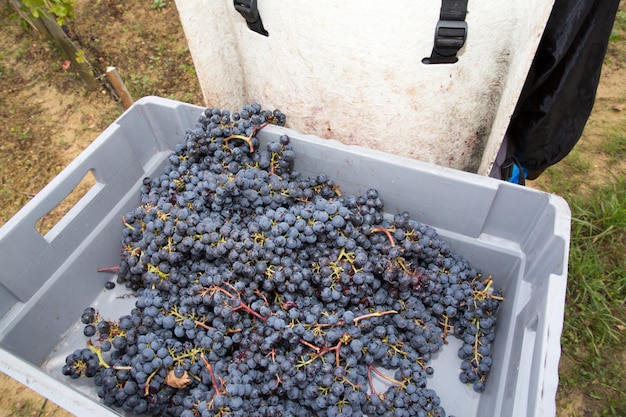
[[560, 89]]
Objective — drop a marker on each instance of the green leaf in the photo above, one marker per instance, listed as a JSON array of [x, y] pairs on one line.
[[80, 56], [35, 12], [59, 11]]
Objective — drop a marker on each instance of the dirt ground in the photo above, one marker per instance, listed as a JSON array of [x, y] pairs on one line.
[[47, 117]]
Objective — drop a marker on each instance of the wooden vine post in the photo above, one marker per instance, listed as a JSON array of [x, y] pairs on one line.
[[47, 26], [119, 86]]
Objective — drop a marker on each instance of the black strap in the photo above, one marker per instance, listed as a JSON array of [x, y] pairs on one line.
[[250, 12], [450, 33]]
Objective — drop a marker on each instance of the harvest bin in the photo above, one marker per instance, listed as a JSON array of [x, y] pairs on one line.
[[517, 235]]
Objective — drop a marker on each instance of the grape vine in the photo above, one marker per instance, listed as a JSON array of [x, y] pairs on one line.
[[62, 10]]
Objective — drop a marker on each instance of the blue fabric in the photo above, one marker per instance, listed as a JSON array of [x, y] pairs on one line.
[[516, 173]]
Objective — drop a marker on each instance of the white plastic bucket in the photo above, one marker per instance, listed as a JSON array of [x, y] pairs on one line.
[[353, 71]]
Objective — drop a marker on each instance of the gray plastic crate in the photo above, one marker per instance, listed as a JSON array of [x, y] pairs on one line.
[[518, 235]]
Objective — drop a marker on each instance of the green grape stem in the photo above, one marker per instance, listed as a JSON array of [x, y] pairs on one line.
[[98, 352]]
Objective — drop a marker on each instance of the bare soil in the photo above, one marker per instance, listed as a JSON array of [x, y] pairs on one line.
[[47, 117]]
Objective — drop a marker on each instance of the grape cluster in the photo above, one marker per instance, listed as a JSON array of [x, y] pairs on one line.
[[265, 292], [81, 362]]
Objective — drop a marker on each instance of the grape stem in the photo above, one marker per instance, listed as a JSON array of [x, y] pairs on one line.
[[199, 323], [476, 343], [312, 346], [337, 348], [174, 312], [146, 389], [385, 231], [213, 379], [126, 223], [242, 137], [273, 165], [247, 139], [487, 291], [241, 303], [376, 314], [260, 294], [113, 268], [446, 328], [278, 380], [371, 369], [98, 352]]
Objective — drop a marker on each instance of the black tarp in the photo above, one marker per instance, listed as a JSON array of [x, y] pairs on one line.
[[560, 89]]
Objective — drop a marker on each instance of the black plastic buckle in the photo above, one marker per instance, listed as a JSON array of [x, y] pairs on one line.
[[249, 10], [450, 36]]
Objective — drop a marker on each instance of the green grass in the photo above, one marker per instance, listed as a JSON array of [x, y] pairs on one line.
[[565, 177], [617, 53], [22, 134], [597, 265], [614, 145], [594, 330], [141, 85], [158, 4], [620, 22]]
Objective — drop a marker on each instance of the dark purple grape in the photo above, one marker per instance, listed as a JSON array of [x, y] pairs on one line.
[[89, 330]]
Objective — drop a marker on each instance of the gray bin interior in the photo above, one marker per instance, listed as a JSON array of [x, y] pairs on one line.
[[517, 235]]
